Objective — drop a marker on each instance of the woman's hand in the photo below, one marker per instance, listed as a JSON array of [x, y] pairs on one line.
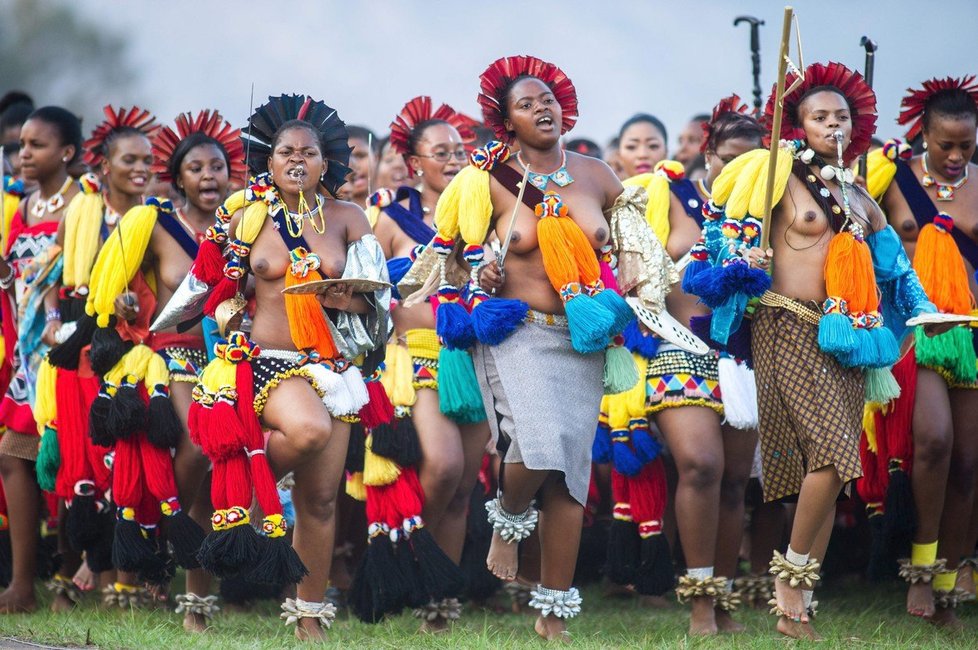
[[759, 259], [491, 277], [339, 296], [127, 306], [50, 334]]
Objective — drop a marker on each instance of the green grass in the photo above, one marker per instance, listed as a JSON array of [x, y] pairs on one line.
[[858, 616]]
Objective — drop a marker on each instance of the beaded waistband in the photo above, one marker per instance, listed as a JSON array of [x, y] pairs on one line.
[[806, 313], [540, 318]]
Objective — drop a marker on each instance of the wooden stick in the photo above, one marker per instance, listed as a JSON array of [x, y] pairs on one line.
[[776, 128]]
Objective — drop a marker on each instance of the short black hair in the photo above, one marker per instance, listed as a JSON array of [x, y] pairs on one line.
[[418, 132], [583, 146], [296, 124], [355, 132], [15, 115], [731, 126], [65, 123], [118, 133], [15, 97], [646, 118], [794, 117], [187, 145], [951, 102]]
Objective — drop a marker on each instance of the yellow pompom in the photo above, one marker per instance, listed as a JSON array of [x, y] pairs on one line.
[[870, 409], [156, 373], [218, 374], [377, 470], [45, 404], [355, 487], [636, 397], [657, 208], [83, 227], [119, 260], [781, 173], [251, 222], [880, 171], [474, 205]]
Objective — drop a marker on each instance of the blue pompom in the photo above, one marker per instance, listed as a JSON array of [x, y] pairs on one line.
[[619, 309], [647, 448], [885, 346], [864, 352], [493, 320], [601, 447], [454, 326], [589, 323], [639, 342], [836, 335], [693, 269], [626, 462]]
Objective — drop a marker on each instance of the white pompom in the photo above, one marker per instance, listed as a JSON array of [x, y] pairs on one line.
[[738, 392], [827, 173], [807, 155]]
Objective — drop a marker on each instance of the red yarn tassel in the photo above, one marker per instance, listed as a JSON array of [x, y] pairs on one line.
[[378, 410], [209, 265]]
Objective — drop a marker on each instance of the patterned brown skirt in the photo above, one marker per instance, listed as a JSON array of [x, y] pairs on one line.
[[810, 406]]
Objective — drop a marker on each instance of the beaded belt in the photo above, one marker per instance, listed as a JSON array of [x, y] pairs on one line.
[[807, 314], [538, 317]]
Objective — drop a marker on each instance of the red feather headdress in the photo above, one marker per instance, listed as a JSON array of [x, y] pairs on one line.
[[504, 71], [135, 117], [211, 124], [417, 111], [852, 86], [913, 105], [731, 104]]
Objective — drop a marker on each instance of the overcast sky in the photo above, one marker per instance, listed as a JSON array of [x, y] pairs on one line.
[[367, 58]]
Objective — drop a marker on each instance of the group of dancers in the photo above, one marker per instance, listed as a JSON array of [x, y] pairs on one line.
[[218, 340]]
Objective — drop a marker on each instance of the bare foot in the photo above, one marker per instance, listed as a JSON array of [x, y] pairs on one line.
[[61, 603], [195, 623], [17, 601], [702, 621], [920, 600], [84, 579], [726, 622], [797, 629], [435, 626], [946, 619], [503, 559], [552, 628], [309, 629], [966, 582], [790, 602]]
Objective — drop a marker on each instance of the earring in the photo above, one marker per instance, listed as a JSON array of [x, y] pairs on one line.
[[65, 159], [322, 177], [925, 144], [418, 173], [706, 166]]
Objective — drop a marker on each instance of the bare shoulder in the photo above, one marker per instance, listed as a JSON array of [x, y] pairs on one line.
[[351, 215], [600, 173]]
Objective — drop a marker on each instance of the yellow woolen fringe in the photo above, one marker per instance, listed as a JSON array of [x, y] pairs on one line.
[[398, 376], [465, 207], [657, 208], [45, 404], [377, 470], [741, 185], [119, 260], [83, 229], [880, 172]]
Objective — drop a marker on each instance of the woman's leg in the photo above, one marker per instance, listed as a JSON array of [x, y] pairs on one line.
[[561, 520], [308, 443], [738, 456], [70, 562], [518, 487], [442, 459], [932, 440], [696, 444], [23, 512], [190, 471]]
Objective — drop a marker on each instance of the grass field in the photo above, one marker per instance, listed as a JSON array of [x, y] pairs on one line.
[[857, 616]]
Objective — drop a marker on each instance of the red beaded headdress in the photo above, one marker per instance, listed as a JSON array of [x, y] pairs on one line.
[[731, 104], [135, 118], [503, 72], [913, 105], [852, 86], [209, 123], [418, 111]]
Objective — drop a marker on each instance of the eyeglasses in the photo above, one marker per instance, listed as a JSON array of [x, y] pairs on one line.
[[444, 156]]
